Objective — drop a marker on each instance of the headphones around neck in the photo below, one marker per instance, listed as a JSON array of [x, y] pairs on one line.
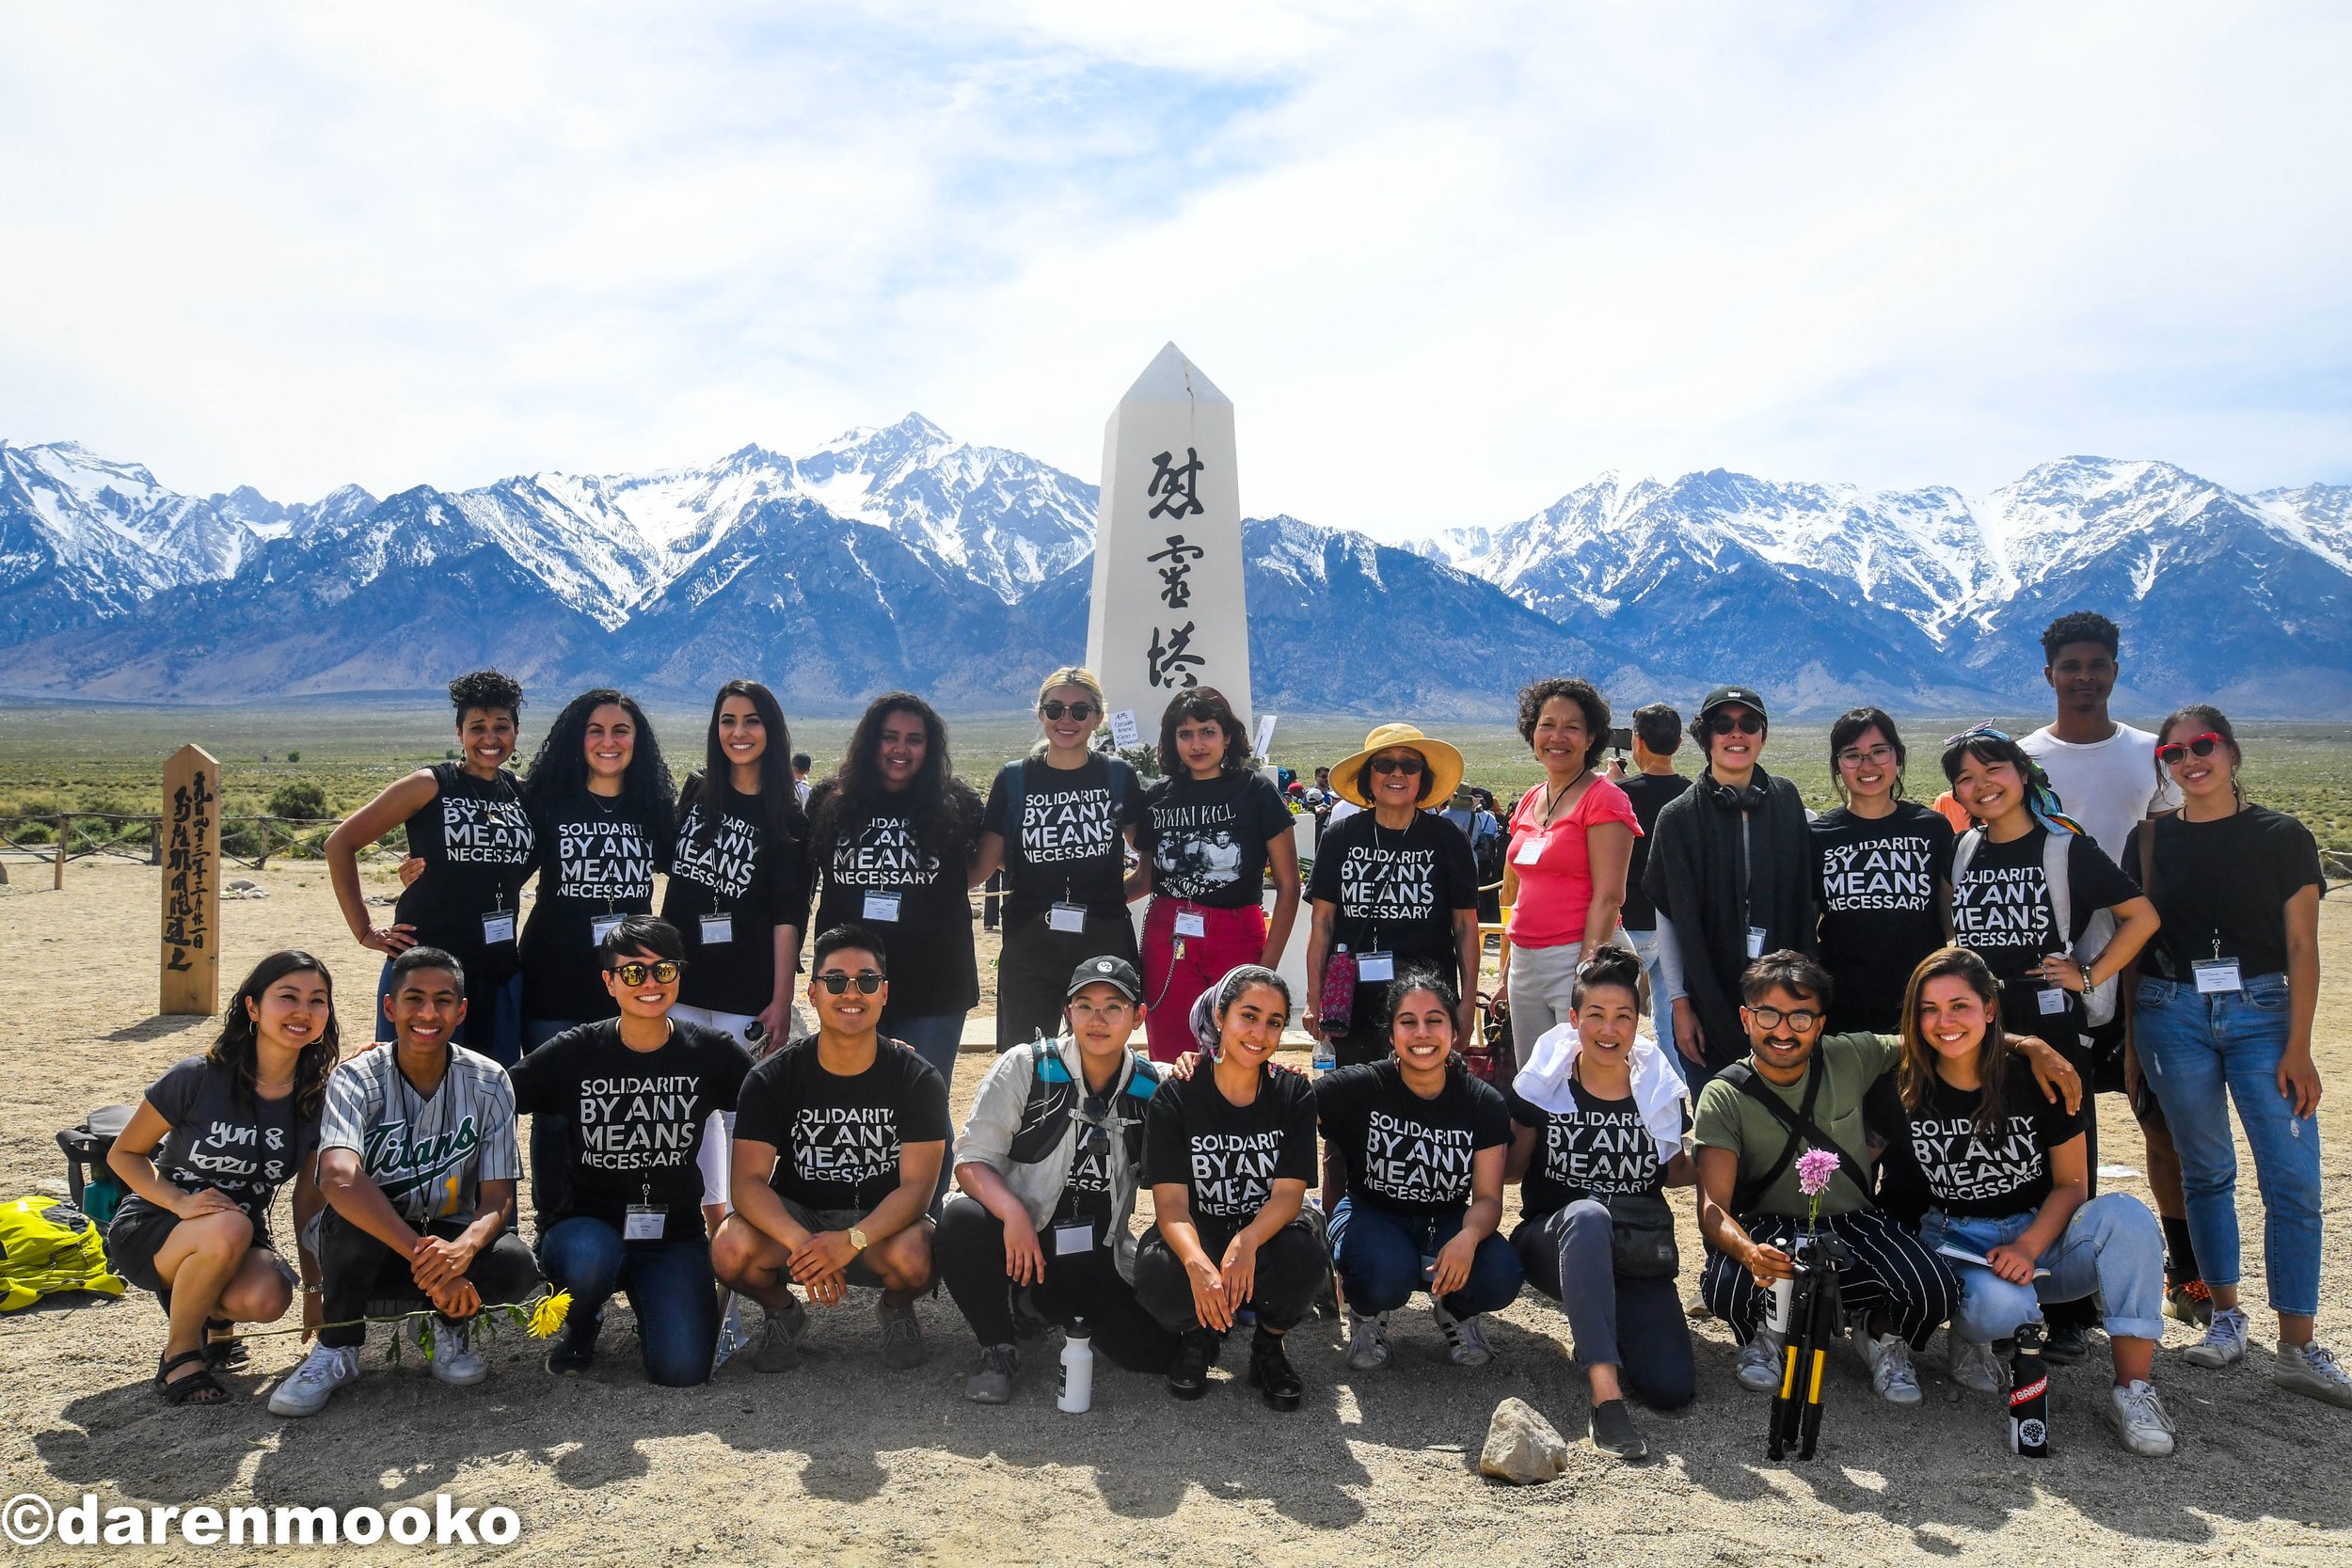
[[1753, 795]]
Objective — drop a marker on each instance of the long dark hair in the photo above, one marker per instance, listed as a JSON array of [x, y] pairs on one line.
[[779, 794], [561, 764], [1203, 702], [2212, 718], [238, 1049], [945, 811], [1917, 1074]]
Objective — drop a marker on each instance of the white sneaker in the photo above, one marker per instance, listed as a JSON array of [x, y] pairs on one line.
[[1891, 1373], [1368, 1343], [1465, 1341], [1759, 1365], [2312, 1369], [1975, 1367], [308, 1386], [2224, 1341], [2139, 1419], [452, 1355]]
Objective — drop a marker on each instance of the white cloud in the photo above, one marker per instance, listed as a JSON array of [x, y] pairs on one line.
[[1448, 262]]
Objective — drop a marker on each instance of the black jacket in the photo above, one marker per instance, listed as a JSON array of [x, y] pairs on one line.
[[1695, 878]]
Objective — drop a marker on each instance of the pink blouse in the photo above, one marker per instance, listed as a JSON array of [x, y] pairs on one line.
[[1556, 886]]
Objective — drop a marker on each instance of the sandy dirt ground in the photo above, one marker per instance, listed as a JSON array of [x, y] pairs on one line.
[[844, 1461]]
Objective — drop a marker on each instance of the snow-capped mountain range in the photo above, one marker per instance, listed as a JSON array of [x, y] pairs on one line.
[[901, 556]]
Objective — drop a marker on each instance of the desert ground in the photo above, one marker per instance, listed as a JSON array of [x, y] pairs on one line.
[[844, 1461]]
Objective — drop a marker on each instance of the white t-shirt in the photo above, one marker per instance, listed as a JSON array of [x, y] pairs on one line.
[[2108, 785]]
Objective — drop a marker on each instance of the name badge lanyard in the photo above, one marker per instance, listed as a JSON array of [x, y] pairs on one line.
[[2217, 975], [1756, 934], [1096, 1126], [498, 925], [600, 926], [644, 1222], [1376, 965]]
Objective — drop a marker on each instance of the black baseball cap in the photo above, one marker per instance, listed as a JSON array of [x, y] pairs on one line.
[[1723, 696], [1114, 972]]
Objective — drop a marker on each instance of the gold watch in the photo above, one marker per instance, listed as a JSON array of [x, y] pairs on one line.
[[857, 1238]]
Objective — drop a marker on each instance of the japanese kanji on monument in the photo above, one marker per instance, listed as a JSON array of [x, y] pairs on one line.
[[1168, 612]]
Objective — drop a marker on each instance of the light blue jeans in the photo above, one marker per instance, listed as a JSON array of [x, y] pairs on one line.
[[934, 1037], [2200, 1053], [1661, 1021], [2113, 1245]]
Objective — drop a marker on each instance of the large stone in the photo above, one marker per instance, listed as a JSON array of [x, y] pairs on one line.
[[1521, 1447]]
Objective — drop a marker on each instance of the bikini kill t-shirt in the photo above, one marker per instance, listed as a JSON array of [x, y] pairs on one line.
[[1989, 1176], [1402, 1151], [595, 859], [1206, 839]]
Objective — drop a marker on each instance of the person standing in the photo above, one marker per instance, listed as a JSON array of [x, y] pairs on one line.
[[1730, 871], [1657, 737], [1882, 877], [2224, 1009], [802, 763], [474, 847], [893, 834], [1059, 822], [1211, 828], [1570, 843]]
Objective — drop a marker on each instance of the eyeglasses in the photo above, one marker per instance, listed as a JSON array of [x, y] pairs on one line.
[[865, 980], [1747, 723], [664, 973], [1080, 711], [2178, 750], [1877, 756], [1410, 766], [1802, 1019]]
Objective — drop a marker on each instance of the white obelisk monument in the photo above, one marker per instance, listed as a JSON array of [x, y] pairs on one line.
[[1168, 612]]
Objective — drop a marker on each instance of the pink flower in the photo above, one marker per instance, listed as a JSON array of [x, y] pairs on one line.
[[1815, 1166]]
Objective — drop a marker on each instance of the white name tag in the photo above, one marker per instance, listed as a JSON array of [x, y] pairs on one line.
[[1065, 917], [882, 906], [717, 929], [2052, 1000], [641, 1223], [1069, 1239], [1376, 966], [2217, 975], [1530, 851], [1191, 923], [1755, 942], [497, 927], [600, 926]]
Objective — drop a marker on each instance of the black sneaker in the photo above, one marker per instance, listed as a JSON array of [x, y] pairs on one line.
[[1612, 1431], [2068, 1344], [1188, 1375], [574, 1350], [1270, 1372]]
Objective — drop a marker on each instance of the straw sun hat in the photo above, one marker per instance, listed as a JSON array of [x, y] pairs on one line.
[[1445, 761]]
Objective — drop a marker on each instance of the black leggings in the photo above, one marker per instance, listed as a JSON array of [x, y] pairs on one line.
[[1293, 1268], [969, 1251], [1033, 972]]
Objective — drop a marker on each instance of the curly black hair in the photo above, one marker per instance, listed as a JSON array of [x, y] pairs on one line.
[[486, 690], [561, 766], [1584, 694], [945, 811], [2080, 625], [1203, 702]]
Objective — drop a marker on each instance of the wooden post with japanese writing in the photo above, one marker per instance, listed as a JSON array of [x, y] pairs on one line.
[[1167, 610], [191, 831]]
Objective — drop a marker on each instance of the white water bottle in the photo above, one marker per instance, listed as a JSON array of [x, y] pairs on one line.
[[1077, 1370]]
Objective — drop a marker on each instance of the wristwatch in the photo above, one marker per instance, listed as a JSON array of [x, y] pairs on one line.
[[857, 1239]]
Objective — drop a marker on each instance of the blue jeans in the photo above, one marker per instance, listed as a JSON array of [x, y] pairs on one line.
[[1661, 1023], [936, 1037], [2112, 1245], [1379, 1254], [494, 1017], [669, 1282], [2199, 1054], [550, 1149]]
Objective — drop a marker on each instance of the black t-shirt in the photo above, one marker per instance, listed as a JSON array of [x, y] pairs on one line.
[[1603, 1150], [1396, 893], [1874, 883], [220, 1137], [477, 844], [1069, 844], [2001, 909], [636, 1117], [1226, 1156], [745, 873], [597, 859], [1404, 1153], [932, 969], [1086, 1192], [1650, 793], [1206, 840], [1983, 1176], [2228, 879], [837, 1139]]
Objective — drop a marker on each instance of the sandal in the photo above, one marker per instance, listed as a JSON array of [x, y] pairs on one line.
[[198, 1388], [223, 1356]]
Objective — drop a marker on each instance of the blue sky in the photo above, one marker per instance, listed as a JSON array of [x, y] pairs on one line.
[[1449, 262]]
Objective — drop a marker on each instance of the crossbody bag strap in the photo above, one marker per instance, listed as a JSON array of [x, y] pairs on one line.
[[1743, 1077], [1802, 1127]]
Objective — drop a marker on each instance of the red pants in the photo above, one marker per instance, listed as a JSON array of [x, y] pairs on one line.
[[1173, 984]]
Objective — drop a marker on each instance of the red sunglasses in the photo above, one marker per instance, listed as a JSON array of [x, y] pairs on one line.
[[2178, 750]]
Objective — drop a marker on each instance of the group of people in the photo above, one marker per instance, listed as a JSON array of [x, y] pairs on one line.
[[1705, 981]]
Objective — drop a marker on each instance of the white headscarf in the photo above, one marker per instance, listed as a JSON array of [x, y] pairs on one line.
[[1658, 1092]]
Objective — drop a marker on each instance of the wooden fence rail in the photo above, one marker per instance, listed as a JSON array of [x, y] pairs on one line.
[[85, 834]]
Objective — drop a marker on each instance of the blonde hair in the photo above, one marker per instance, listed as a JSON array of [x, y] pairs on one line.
[[1073, 675]]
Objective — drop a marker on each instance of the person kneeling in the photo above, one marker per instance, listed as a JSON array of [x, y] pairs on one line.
[[1423, 1146], [417, 1162], [637, 1092], [1796, 1090], [837, 1151], [1048, 1165], [2007, 1177], [1229, 1153]]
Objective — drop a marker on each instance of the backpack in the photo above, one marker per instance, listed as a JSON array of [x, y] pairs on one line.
[[1017, 793], [47, 1246], [2099, 1001]]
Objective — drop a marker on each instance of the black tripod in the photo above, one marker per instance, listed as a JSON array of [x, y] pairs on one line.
[[1814, 1320]]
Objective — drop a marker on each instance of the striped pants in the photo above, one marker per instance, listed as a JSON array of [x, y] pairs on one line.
[[1888, 1270]]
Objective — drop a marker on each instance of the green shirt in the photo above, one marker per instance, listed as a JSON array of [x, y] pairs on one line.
[[1728, 1119]]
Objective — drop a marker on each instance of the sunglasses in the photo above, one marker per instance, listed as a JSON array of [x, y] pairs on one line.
[[865, 980], [1410, 767], [1802, 1019], [1747, 723], [2202, 746], [664, 973], [1080, 711]]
